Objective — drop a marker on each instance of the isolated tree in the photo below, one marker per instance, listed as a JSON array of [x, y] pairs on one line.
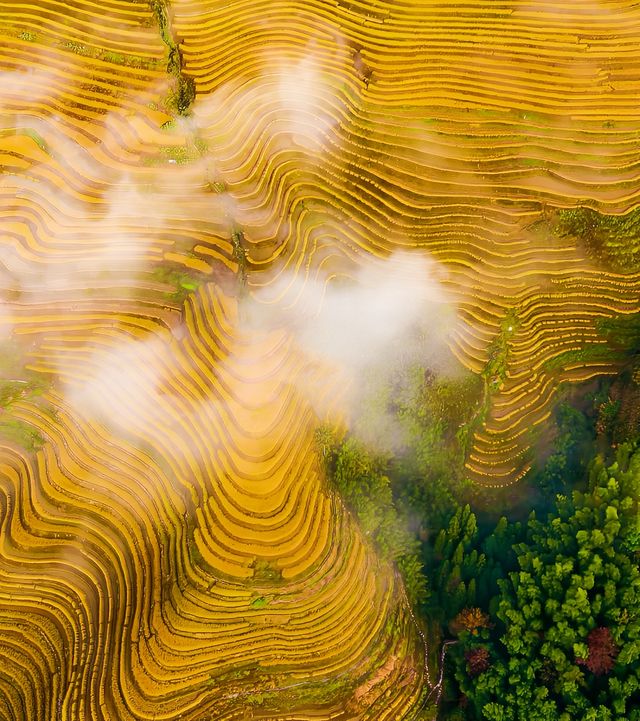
[[471, 620], [477, 659], [602, 652]]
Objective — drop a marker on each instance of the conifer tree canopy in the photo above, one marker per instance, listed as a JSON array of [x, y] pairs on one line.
[[570, 615]]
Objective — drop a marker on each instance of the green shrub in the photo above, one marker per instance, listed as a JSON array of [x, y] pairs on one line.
[[613, 240]]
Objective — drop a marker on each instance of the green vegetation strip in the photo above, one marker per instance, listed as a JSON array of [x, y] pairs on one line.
[[183, 92]]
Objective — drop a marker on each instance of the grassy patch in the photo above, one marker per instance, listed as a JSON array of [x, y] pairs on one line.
[[184, 283], [320, 692], [265, 571], [97, 53], [12, 390], [20, 433]]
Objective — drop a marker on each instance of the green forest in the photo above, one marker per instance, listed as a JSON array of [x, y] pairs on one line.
[[533, 591]]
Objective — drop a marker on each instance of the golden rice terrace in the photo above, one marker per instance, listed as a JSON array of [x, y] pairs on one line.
[[169, 545]]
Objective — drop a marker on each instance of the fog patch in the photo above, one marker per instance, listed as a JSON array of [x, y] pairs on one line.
[[367, 331]]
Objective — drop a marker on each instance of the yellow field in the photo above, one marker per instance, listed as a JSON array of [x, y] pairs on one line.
[[168, 546]]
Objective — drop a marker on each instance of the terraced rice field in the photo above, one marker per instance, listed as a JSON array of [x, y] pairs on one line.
[[168, 546], [453, 128]]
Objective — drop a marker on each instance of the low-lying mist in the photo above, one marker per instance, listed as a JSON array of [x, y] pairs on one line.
[[387, 316]]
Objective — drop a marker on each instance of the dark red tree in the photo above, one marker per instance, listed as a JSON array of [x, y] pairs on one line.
[[602, 652], [477, 660]]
